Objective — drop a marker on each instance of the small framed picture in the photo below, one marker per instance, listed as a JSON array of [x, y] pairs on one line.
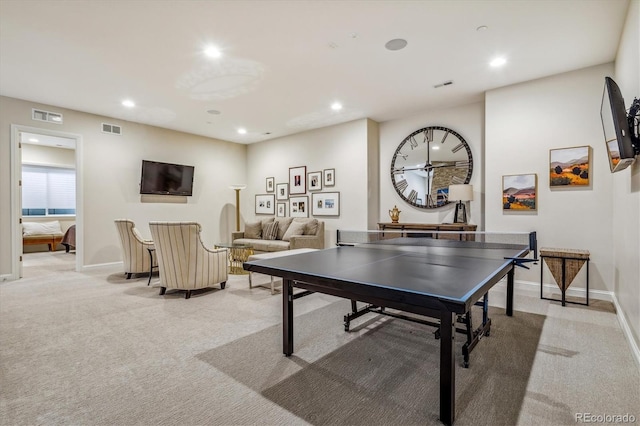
[[270, 185], [282, 191], [314, 181], [281, 210], [325, 204], [569, 166], [297, 180], [299, 206], [520, 192], [265, 204], [329, 177]]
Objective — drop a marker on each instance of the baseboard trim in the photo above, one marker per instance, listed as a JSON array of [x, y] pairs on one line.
[[624, 324], [100, 265], [6, 277]]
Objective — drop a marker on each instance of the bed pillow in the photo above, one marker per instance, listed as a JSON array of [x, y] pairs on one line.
[[41, 228]]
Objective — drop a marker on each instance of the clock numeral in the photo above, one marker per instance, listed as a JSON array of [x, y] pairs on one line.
[[457, 180], [413, 195], [462, 164], [444, 137], [402, 185], [457, 147], [428, 135], [413, 143]]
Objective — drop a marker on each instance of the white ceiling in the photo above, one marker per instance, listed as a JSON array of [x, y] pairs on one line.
[[285, 62]]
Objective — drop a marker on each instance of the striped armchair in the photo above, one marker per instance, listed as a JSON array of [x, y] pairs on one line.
[[184, 262], [135, 253]]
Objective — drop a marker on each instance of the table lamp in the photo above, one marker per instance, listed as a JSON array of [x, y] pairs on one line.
[[237, 188], [460, 193]]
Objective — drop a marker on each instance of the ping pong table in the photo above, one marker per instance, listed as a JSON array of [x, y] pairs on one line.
[[436, 278]]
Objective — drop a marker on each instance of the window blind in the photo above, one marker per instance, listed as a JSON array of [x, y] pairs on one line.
[[48, 189]]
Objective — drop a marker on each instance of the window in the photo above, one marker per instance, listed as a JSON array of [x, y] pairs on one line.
[[48, 191]]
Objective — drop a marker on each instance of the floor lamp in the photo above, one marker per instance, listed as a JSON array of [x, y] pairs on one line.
[[237, 188], [461, 194]]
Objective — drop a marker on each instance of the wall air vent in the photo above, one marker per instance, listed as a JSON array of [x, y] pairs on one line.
[[446, 83], [48, 116], [111, 128]]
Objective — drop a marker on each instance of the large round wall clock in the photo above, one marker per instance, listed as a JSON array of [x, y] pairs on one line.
[[427, 162]]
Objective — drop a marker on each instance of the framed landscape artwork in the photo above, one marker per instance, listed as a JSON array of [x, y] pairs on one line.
[[265, 204], [520, 192], [329, 177], [282, 191], [299, 206], [297, 180], [570, 166], [314, 181], [270, 181], [325, 204], [281, 210]]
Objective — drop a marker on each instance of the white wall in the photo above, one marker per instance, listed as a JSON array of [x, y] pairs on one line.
[[343, 147], [626, 185], [525, 121], [467, 120], [111, 174]]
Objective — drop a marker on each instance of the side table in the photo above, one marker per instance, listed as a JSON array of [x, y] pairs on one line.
[[238, 254], [564, 265], [152, 251]]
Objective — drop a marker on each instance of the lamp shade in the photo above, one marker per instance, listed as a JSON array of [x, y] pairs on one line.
[[461, 192]]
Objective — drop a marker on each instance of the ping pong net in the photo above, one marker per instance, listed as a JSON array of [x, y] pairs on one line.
[[452, 239]]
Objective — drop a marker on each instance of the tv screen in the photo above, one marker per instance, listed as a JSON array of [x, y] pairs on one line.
[[166, 179], [618, 133]]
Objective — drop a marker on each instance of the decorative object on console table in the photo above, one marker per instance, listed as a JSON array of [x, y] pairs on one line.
[[265, 204], [299, 206], [282, 191], [270, 184], [237, 188], [569, 166], [564, 265], [314, 181], [329, 177], [325, 204], [395, 214], [297, 180], [461, 194], [448, 231], [519, 192]]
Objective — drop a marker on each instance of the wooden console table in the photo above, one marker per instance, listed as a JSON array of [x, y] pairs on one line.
[[405, 229]]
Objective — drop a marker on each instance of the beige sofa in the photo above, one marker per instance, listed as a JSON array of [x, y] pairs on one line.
[[278, 234]]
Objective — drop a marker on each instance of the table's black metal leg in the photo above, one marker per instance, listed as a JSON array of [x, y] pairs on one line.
[[510, 277], [564, 284], [150, 267], [447, 368], [287, 317], [587, 282]]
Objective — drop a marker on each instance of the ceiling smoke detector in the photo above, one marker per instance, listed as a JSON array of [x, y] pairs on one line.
[[396, 44]]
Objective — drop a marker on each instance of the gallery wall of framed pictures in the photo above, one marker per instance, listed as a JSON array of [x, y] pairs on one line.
[[301, 196]]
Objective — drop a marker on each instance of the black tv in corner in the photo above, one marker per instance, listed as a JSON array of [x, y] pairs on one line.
[[618, 127], [166, 179]]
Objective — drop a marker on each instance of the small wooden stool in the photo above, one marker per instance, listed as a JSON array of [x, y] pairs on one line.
[[564, 265]]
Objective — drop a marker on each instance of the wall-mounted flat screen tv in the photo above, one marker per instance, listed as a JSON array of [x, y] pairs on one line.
[[618, 133], [166, 179]]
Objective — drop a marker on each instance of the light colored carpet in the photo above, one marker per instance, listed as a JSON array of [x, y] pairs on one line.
[[93, 348]]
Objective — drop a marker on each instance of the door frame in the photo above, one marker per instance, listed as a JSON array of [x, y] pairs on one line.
[[16, 199]]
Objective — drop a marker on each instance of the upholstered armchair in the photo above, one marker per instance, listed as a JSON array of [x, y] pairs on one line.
[[135, 249], [183, 260]]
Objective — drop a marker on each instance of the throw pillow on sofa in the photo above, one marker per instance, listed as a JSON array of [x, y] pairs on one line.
[[296, 228], [312, 227], [270, 231], [253, 230], [283, 225]]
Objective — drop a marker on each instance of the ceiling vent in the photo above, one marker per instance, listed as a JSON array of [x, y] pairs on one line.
[[49, 117], [111, 128], [446, 83]]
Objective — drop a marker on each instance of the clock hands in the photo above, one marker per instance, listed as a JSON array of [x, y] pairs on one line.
[[427, 167]]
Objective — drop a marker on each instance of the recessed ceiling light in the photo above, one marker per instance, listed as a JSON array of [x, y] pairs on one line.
[[435, 147], [498, 62], [33, 140], [336, 106], [482, 28], [396, 44], [213, 112], [242, 131], [128, 103], [212, 52]]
